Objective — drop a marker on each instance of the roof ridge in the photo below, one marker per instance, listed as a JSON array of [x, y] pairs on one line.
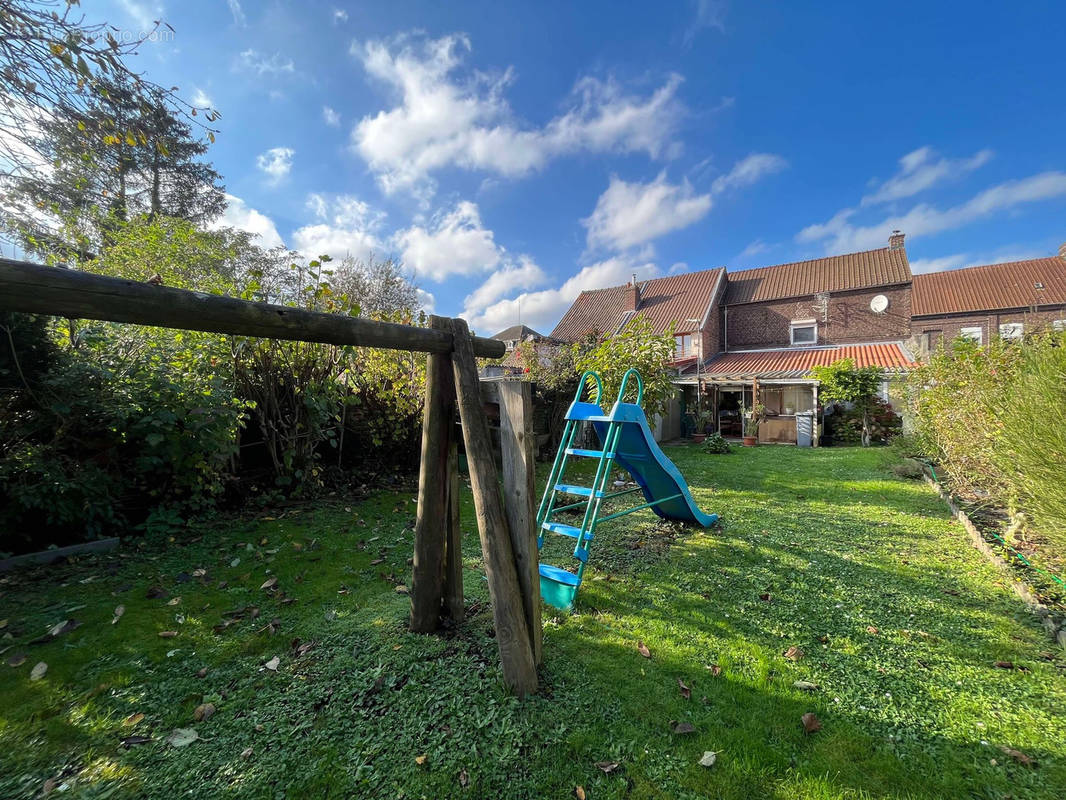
[[958, 270], [811, 260]]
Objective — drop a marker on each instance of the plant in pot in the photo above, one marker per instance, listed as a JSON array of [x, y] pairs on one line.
[[703, 422], [751, 425]]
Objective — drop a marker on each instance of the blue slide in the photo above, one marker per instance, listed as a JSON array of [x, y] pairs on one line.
[[626, 440]]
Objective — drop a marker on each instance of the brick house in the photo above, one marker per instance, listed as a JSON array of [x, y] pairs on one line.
[[995, 300], [753, 336]]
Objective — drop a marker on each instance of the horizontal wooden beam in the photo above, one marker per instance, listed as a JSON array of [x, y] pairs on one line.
[[60, 292]]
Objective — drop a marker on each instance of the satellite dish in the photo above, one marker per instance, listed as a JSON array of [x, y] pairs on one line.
[[879, 304]]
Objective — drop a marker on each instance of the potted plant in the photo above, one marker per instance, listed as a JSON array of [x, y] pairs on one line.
[[703, 422], [751, 425]]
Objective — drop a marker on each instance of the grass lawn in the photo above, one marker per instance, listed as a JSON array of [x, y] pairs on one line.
[[318, 691]]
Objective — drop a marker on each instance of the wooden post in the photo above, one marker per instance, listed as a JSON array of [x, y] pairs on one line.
[[508, 608], [453, 549], [516, 444], [434, 513]]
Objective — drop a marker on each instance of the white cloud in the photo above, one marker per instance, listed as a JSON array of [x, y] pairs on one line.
[[541, 310], [678, 268], [346, 226], [748, 171], [754, 249], [145, 13], [240, 215], [525, 274], [200, 99], [275, 163], [457, 244], [446, 119], [920, 170], [339, 16], [709, 14], [331, 117], [629, 214], [238, 13], [921, 265], [261, 64], [841, 236]]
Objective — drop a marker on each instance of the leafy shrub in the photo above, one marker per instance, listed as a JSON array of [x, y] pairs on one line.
[[846, 425], [994, 417], [716, 443]]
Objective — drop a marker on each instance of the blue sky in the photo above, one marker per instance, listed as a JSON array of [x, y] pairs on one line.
[[514, 154]]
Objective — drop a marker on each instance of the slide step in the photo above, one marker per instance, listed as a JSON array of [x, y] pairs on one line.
[[559, 575], [580, 491], [577, 451], [563, 529]]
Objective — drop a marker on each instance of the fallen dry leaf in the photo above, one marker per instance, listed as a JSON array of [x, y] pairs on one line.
[[579, 793], [1018, 756], [794, 653], [607, 766], [133, 719], [872, 630], [421, 760], [1004, 664], [247, 752], [182, 737], [64, 627], [714, 669], [119, 611], [17, 660], [174, 601], [167, 634], [709, 757], [685, 691], [272, 664], [269, 583], [130, 741], [765, 596], [804, 686], [3, 624], [203, 712], [811, 723], [201, 673], [643, 649], [464, 778], [38, 671], [401, 589], [684, 727]]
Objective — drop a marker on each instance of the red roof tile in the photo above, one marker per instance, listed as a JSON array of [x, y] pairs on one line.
[[883, 267], [663, 302], [797, 363], [987, 288]]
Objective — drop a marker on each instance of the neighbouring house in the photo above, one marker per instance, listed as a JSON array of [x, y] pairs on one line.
[[516, 334], [752, 337], [995, 300]]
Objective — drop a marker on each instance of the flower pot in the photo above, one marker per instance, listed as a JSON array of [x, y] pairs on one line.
[[699, 437], [749, 441]]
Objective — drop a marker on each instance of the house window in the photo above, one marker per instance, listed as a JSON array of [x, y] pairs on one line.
[[1012, 331], [804, 331], [1058, 325], [973, 334], [683, 348], [786, 400]]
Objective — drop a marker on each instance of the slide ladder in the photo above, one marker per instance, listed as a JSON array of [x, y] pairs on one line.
[[626, 440]]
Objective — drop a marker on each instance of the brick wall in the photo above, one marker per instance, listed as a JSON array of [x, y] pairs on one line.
[[848, 319], [928, 332]]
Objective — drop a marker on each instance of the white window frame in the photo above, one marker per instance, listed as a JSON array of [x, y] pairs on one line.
[[1058, 324], [974, 333], [1012, 331], [680, 350], [802, 323]]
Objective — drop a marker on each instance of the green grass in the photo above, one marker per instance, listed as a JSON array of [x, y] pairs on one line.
[[917, 709]]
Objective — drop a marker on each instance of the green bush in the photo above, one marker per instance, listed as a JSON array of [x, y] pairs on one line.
[[715, 443], [994, 418], [845, 425]]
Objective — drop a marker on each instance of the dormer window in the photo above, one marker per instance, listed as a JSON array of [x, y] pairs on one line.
[[803, 331]]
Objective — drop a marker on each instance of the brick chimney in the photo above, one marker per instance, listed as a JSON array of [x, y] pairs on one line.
[[895, 241], [633, 295]]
